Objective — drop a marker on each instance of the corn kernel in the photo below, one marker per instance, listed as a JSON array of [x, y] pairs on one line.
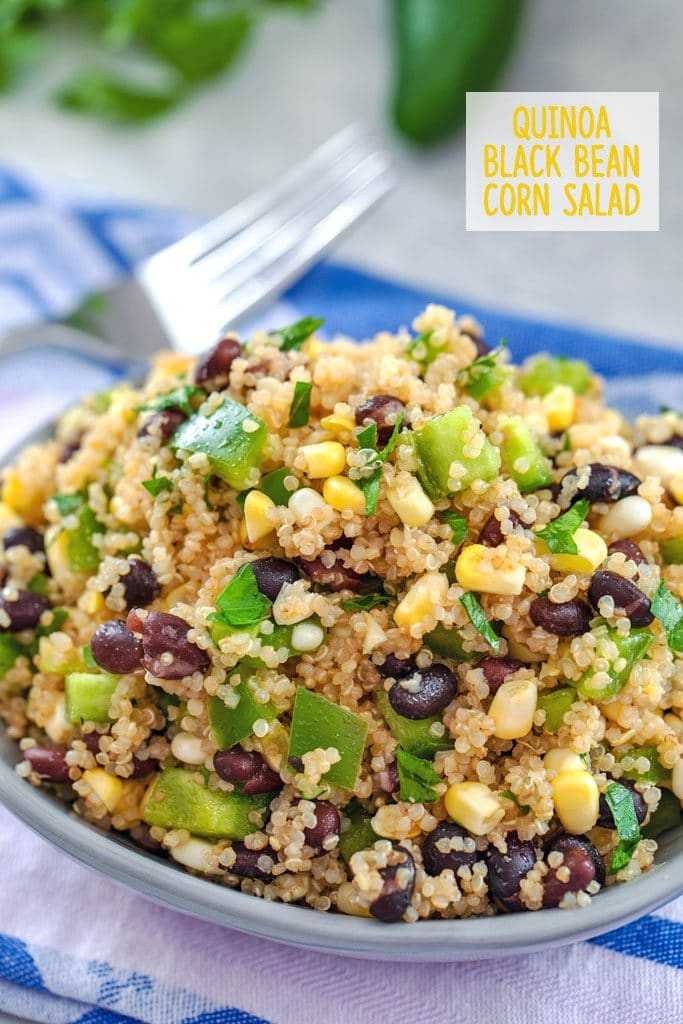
[[92, 602], [677, 779], [627, 517], [390, 823], [8, 518], [343, 495], [577, 800], [57, 726], [374, 634], [676, 488], [519, 650], [559, 406], [337, 423], [107, 787], [170, 364], [512, 708], [313, 348], [327, 458], [591, 552], [426, 594], [22, 496], [57, 556], [256, 508], [474, 806], [409, 501], [195, 854], [348, 901], [562, 759], [474, 570]]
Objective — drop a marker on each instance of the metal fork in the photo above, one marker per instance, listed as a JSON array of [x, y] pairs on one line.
[[188, 294]]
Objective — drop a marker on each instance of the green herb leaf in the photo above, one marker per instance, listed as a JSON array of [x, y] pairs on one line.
[[484, 374], [178, 398], [620, 803], [300, 409], [669, 611], [157, 485], [273, 484], [111, 98], [367, 437], [424, 350], [366, 601], [370, 485], [241, 603], [458, 525], [559, 535], [478, 619], [68, 503], [296, 334], [509, 795], [88, 658], [416, 777]]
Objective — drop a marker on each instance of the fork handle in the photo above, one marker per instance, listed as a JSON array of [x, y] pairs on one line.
[[69, 339]]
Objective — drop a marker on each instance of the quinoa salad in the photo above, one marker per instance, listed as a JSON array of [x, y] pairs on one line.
[[393, 630]]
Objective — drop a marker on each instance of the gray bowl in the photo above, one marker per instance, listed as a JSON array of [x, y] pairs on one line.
[[427, 941]]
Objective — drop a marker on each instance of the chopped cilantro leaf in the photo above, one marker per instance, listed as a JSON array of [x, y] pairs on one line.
[[509, 795], [68, 503], [295, 335], [669, 611], [458, 525], [620, 803], [178, 398], [300, 409], [88, 658], [370, 484], [157, 485], [365, 602], [273, 484], [559, 535], [478, 619], [367, 437], [416, 777], [241, 603], [485, 374]]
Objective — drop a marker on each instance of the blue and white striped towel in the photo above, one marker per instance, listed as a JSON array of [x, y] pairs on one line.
[[77, 948]]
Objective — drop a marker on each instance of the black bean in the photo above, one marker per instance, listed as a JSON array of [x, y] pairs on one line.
[[140, 585], [605, 483], [399, 882], [337, 577], [265, 780], [397, 668], [585, 866], [628, 548], [273, 573], [496, 670], [567, 619], [213, 368], [141, 836], [164, 634], [25, 612], [24, 536], [115, 648], [92, 742], [383, 410], [435, 861], [142, 767], [246, 863], [435, 689], [506, 871], [628, 599], [387, 780], [606, 819], [162, 425], [675, 441], [491, 534], [236, 764], [48, 762], [328, 823]]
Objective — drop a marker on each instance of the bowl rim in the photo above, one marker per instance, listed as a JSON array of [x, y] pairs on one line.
[[431, 940]]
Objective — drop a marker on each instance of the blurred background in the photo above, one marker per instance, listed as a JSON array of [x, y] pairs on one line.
[[310, 68]]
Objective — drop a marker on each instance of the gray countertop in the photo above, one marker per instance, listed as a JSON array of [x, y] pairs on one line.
[[306, 77]]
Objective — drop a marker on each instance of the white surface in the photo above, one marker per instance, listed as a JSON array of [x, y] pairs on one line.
[[306, 77]]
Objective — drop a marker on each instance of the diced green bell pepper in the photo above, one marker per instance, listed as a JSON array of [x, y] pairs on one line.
[[543, 373], [230, 726], [448, 644], [10, 649], [519, 443], [556, 703], [666, 817], [671, 550], [656, 772], [282, 636], [440, 442], [412, 734], [88, 696], [38, 584], [631, 648], [360, 834], [233, 451], [81, 553], [317, 722], [210, 813]]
